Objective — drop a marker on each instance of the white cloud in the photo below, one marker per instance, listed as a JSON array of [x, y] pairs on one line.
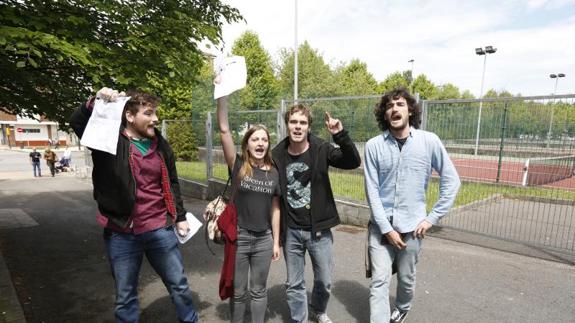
[[439, 35]]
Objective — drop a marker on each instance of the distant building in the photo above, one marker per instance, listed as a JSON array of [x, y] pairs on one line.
[[28, 132]]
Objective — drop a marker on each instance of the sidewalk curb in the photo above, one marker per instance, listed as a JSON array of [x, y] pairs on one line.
[[10, 307]]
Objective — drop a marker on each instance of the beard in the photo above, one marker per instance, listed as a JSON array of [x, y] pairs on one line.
[[399, 127], [142, 132]]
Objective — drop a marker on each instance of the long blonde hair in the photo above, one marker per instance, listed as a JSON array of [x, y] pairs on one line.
[[247, 158]]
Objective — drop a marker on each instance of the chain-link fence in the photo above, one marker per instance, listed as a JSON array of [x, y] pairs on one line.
[[515, 158]]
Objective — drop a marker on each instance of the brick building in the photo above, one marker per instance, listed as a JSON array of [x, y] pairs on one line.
[[28, 132]]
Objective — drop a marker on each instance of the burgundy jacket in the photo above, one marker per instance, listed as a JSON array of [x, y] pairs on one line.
[[228, 224]]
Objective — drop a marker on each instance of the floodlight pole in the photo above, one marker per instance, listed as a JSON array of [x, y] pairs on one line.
[[412, 77], [549, 133], [484, 52]]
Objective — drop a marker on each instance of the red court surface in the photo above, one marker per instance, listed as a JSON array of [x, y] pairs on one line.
[[511, 172]]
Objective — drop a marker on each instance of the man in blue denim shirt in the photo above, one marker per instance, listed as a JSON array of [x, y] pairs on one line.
[[397, 165]]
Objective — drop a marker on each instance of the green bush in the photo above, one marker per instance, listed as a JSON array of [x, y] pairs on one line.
[[183, 140]]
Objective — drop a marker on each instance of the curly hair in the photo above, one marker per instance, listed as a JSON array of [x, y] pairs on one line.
[[137, 99], [413, 106]]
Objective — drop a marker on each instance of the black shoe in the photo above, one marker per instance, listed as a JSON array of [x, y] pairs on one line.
[[398, 316]]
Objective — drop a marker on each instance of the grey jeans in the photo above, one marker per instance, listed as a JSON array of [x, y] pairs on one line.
[[382, 257], [253, 259]]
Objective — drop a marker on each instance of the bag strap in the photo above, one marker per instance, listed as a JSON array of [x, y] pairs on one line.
[[234, 186], [227, 185], [231, 179]]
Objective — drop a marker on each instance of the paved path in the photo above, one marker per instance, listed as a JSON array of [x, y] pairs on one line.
[[55, 260]]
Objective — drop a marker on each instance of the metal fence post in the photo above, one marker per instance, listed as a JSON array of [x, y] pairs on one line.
[[209, 148], [280, 128], [424, 107], [164, 129], [503, 127]]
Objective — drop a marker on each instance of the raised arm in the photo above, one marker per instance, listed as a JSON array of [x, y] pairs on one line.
[[225, 134], [80, 117]]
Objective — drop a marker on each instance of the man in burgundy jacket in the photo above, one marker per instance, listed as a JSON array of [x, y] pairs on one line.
[[139, 201]]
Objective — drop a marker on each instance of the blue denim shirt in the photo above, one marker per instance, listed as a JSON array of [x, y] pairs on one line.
[[396, 181]]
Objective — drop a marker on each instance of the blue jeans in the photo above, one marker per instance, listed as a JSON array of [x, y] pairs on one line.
[[126, 251], [253, 257], [320, 252], [36, 165], [382, 256]]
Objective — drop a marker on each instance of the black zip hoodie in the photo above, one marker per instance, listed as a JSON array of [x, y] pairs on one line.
[[323, 154], [114, 184]]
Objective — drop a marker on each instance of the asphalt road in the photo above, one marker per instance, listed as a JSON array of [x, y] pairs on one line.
[[55, 255]]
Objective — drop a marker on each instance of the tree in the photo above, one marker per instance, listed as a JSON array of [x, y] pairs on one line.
[[315, 78], [393, 81], [262, 90], [467, 95], [355, 79], [446, 91], [203, 91], [54, 53], [176, 103], [182, 140], [424, 87], [490, 94]]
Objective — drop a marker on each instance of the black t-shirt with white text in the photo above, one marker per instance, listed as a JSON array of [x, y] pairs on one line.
[[253, 197], [298, 173], [35, 156]]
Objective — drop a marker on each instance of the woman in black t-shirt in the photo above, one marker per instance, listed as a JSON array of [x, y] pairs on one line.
[[256, 198]]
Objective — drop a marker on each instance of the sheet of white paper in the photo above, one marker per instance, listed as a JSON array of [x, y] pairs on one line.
[[194, 225], [232, 75], [101, 132]]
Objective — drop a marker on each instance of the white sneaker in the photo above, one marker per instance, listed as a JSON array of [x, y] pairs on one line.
[[398, 316], [322, 318]]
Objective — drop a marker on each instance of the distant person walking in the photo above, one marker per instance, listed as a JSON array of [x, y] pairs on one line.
[[50, 157], [35, 161], [397, 166]]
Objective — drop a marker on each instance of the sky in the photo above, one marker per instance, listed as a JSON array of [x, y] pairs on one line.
[[534, 38]]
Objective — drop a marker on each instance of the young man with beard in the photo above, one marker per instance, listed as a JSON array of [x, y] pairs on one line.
[[308, 210], [398, 165], [139, 201]]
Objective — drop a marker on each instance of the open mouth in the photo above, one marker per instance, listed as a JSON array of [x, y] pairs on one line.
[[396, 117], [260, 150]]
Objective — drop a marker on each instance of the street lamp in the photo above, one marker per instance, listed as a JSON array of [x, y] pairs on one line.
[[412, 77], [556, 77], [480, 51]]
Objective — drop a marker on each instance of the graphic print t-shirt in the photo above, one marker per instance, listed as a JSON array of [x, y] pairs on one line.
[[298, 173], [253, 197]]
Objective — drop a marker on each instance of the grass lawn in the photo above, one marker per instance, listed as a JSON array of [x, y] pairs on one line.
[[196, 171], [350, 186]]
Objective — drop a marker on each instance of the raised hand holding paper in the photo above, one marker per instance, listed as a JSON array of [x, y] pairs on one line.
[[231, 75], [101, 132]]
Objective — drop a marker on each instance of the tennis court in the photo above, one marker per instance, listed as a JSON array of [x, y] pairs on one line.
[[555, 172]]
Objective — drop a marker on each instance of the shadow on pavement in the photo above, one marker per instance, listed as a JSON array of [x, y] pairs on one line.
[[355, 297]]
